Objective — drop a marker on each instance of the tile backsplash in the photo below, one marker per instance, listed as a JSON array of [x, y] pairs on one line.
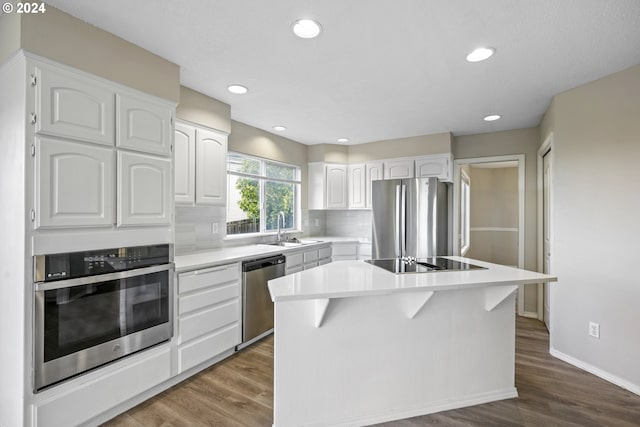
[[194, 227]]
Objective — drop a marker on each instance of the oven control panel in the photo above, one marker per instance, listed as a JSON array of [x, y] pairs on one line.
[[89, 263]]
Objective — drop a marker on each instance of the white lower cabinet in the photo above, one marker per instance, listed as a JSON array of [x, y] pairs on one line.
[[294, 262], [74, 184], [208, 314], [364, 251], [84, 401], [144, 184], [342, 251]]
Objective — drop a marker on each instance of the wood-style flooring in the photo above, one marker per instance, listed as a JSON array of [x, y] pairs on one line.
[[239, 392]]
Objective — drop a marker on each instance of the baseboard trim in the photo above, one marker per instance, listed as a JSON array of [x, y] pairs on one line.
[[447, 405], [633, 388], [529, 314]]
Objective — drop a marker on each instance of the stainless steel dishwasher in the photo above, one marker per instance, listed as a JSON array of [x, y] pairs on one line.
[[257, 307]]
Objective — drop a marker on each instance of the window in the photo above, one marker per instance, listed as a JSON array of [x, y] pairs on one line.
[[465, 212], [257, 191]]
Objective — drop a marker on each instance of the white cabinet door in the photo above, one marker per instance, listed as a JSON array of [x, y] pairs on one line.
[[401, 168], [336, 176], [73, 106], [184, 183], [211, 170], [143, 125], [374, 171], [438, 166], [144, 189], [74, 184], [357, 187]]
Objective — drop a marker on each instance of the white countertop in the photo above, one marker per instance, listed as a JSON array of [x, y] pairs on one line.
[[215, 257], [343, 279]]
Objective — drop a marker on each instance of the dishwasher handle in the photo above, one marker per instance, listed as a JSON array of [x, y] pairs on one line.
[[256, 264]]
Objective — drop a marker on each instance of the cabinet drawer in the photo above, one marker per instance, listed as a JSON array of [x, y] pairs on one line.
[[294, 260], [207, 297], [344, 257], [324, 253], [203, 349], [94, 397], [364, 250], [344, 249], [310, 256], [324, 261], [309, 265], [295, 269], [203, 322], [194, 280]]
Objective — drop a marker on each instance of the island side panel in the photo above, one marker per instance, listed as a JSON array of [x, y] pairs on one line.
[[369, 362]]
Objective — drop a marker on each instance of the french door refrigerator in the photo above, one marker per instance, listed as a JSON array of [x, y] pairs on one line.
[[410, 218]]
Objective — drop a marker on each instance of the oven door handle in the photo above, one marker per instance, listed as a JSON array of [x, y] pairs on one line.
[[89, 280]]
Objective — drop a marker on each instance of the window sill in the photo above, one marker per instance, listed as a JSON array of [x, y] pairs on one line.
[[253, 236]]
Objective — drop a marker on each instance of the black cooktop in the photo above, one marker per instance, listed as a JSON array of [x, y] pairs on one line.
[[421, 265]]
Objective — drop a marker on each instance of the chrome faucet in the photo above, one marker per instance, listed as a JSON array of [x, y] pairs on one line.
[[280, 215]]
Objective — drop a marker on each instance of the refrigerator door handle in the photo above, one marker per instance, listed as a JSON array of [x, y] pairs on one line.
[[397, 234], [403, 222]]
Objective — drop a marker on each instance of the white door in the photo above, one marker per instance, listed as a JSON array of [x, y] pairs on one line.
[[357, 186], [546, 232], [336, 186], [73, 106], [373, 172], [211, 168], [143, 125], [144, 189], [75, 184], [184, 164]]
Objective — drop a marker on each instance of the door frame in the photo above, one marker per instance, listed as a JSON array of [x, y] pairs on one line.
[[545, 147], [520, 158]]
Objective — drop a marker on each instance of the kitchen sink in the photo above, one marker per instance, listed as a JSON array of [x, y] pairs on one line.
[[294, 242]]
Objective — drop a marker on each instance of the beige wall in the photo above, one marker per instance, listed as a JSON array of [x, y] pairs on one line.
[[249, 140], [405, 147], [203, 110], [330, 153], [63, 38], [9, 35], [521, 141], [596, 149]]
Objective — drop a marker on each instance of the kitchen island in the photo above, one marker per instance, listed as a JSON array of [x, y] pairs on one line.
[[358, 345]]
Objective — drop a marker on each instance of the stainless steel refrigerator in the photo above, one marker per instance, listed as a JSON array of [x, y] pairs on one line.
[[410, 218]]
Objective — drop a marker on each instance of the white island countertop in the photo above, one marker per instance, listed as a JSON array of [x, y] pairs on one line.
[[344, 279]]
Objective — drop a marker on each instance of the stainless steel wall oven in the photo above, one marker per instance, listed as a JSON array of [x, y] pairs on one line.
[[94, 307]]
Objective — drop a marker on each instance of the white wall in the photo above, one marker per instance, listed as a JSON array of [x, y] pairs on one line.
[[596, 175]]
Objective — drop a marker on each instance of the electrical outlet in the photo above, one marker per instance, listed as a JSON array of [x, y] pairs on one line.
[[214, 228], [594, 329]]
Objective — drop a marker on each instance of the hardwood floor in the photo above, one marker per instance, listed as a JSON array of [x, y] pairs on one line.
[[239, 392]]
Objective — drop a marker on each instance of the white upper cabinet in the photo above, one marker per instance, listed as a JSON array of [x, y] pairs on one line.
[[73, 105], [374, 171], [440, 166], [336, 176], [398, 168], [211, 167], [184, 164], [143, 125], [74, 184], [144, 189], [357, 186]]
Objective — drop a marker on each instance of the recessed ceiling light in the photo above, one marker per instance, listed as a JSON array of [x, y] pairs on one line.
[[306, 28], [492, 118], [343, 139], [480, 54], [237, 89], [279, 128]]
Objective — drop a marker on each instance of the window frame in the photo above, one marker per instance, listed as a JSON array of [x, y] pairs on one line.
[[262, 179]]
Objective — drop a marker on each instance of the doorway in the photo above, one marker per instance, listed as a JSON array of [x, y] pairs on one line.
[[488, 210]]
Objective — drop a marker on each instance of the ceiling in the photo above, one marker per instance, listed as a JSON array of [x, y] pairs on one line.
[[380, 69]]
